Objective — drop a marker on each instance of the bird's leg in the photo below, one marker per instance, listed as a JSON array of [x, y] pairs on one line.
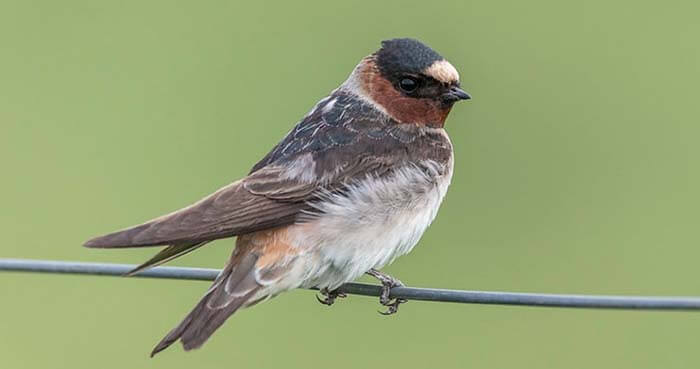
[[330, 296], [388, 282]]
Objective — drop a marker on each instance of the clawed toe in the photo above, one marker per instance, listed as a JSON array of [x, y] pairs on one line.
[[388, 282], [393, 307], [325, 300], [330, 296]]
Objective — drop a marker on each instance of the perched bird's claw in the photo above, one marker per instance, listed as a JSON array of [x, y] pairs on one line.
[[393, 307], [324, 301], [330, 296], [388, 282]]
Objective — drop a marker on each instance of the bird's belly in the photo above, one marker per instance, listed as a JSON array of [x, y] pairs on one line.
[[375, 222]]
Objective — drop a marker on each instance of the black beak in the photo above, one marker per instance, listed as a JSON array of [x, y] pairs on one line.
[[455, 94]]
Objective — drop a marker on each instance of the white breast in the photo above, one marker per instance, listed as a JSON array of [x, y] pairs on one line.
[[373, 223]]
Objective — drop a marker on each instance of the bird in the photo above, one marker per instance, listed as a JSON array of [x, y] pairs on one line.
[[352, 186]]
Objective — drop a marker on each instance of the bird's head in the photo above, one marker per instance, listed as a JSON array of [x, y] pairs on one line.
[[409, 81]]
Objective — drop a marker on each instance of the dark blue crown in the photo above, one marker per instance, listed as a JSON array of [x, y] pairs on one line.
[[405, 55]]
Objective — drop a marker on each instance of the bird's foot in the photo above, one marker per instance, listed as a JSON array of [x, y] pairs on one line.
[[330, 296], [388, 282]]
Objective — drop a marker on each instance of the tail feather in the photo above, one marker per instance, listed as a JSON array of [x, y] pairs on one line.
[[233, 288], [165, 255]]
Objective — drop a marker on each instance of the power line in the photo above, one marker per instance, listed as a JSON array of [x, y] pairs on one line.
[[409, 293]]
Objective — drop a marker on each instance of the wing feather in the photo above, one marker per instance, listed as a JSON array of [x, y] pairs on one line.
[[342, 141], [230, 211]]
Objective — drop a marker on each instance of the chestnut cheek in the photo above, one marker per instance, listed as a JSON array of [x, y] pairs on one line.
[[402, 108], [422, 111]]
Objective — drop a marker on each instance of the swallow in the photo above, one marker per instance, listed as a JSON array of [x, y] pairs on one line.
[[349, 189]]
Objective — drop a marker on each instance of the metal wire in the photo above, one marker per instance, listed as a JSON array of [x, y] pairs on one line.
[[409, 293]]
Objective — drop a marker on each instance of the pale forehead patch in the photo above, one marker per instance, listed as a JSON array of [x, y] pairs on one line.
[[442, 71]]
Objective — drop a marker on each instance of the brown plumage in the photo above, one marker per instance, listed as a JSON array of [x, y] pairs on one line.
[[258, 259], [245, 206], [234, 286], [371, 157]]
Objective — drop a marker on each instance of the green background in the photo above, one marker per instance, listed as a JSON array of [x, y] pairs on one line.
[[576, 172]]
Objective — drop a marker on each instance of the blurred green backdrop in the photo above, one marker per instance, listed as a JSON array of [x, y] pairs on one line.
[[576, 172]]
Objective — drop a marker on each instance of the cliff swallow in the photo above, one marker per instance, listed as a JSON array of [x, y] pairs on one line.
[[349, 189]]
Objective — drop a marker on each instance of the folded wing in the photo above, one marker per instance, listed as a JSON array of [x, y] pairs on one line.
[[232, 210]]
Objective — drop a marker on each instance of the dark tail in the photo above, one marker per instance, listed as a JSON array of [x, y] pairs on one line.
[[144, 235], [165, 255], [233, 288]]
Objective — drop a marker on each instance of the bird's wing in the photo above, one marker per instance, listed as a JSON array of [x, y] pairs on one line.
[[338, 143], [235, 209], [268, 198]]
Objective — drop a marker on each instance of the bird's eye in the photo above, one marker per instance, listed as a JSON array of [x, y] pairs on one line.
[[408, 84]]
